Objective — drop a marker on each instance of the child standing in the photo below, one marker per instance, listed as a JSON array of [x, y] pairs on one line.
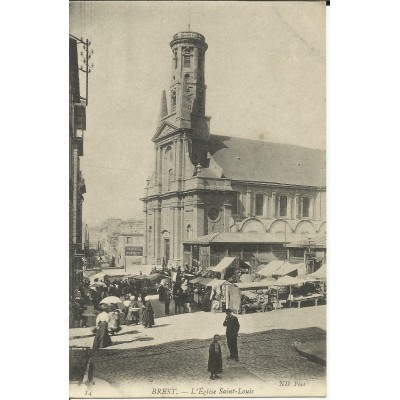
[[215, 358]]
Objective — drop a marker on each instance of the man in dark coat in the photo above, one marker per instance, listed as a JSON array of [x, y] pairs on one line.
[[161, 292], [232, 330], [167, 301], [177, 293]]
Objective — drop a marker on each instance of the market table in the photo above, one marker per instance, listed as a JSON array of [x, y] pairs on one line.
[[314, 297]]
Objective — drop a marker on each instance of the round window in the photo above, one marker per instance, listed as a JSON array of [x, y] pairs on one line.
[[213, 214]]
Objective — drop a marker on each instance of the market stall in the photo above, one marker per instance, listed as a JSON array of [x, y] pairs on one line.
[[198, 287], [282, 268], [270, 269], [224, 267], [315, 286], [300, 290], [319, 275], [253, 296], [218, 294]]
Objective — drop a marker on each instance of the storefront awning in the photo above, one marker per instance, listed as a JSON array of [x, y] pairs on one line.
[[223, 264]]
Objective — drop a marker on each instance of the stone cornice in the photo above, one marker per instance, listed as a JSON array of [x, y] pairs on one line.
[[277, 185]]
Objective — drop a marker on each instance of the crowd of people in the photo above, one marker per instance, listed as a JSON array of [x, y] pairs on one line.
[[138, 309], [108, 321]]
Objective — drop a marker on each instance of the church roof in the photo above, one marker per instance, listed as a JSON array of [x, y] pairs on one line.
[[260, 161]]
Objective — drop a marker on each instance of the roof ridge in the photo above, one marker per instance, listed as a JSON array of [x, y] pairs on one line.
[[267, 142]]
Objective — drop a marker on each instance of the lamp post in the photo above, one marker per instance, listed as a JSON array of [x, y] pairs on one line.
[[87, 66]]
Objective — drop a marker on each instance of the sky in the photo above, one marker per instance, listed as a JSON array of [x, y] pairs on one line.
[[264, 71]]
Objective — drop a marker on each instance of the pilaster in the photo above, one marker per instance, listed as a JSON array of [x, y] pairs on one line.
[[296, 206], [273, 205], [248, 203], [265, 205]]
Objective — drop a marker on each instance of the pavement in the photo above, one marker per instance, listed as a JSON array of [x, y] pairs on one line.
[[315, 351], [170, 359], [203, 325]]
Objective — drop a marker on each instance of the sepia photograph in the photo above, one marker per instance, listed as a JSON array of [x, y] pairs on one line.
[[197, 199]]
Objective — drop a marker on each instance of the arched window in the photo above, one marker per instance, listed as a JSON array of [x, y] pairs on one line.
[[306, 207], [186, 61], [259, 200], [283, 206], [235, 204]]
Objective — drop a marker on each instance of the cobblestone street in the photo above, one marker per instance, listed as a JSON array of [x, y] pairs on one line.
[[159, 360], [268, 356]]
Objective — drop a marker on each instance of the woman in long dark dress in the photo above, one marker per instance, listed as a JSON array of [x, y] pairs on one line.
[[102, 338], [215, 358], [147, 314], [207, 300]]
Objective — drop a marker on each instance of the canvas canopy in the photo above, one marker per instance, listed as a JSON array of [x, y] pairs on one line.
[[157, 275], [223, 264], [320, 274], [139, 277], [99, 275], [196, 280], [246, 278], [280, 268], [254, 285], [288, 281], [204, 281], [272, 267], [287, 268], [113, 278], [216, 283]]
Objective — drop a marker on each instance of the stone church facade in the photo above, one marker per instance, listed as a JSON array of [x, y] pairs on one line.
[[204, 183]]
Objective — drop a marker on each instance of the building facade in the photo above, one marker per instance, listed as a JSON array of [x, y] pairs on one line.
[[204, 183], [120, 241], [77, 188]]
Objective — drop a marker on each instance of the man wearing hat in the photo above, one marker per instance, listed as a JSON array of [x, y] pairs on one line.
[[232, 330]]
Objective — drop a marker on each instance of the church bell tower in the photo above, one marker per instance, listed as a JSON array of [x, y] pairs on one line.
[[187, 92]]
